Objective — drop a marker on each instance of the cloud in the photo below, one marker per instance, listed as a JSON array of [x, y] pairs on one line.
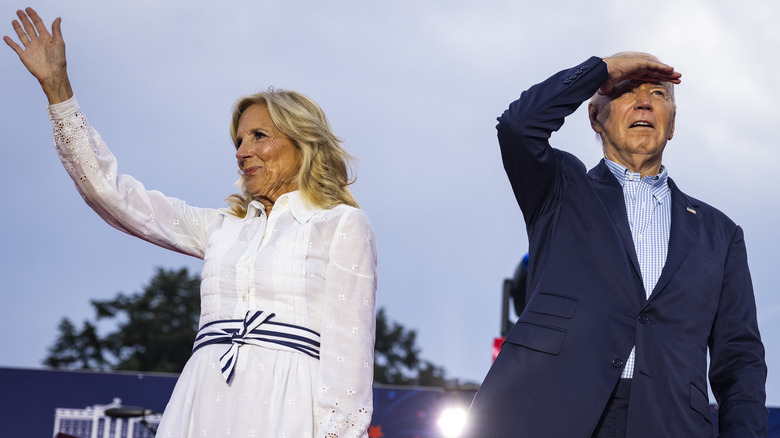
[[414, 88]]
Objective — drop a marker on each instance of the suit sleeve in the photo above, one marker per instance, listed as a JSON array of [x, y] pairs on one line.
[[524, 131], [737, 366]]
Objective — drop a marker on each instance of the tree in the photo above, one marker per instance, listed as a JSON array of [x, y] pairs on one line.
[[83, 349], [397, 358], [155, 329]]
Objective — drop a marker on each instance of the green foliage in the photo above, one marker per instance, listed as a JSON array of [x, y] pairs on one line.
[[82, 349], [155, 329], [397, 358]]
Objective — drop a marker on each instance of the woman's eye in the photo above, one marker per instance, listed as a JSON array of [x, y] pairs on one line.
[[259, 135]]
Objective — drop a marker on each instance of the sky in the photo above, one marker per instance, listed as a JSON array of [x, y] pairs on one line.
[[414, 89]]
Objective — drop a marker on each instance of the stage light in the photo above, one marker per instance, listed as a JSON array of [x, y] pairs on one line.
[[451, 422]]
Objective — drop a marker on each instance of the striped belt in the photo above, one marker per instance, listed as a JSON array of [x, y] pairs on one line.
[[256, 329]]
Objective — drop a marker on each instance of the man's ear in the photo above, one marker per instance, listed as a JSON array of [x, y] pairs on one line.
[[593, 114], [671, 128]]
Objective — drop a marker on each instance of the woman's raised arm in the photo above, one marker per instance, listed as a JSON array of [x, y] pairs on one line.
[[43, 54]]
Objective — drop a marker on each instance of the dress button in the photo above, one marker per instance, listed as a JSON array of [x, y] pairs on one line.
[[643, 318], [617, 363]]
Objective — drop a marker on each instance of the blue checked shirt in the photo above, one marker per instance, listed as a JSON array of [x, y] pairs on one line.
[[648, 205]]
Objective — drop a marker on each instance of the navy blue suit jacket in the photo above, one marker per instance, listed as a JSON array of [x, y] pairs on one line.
[[587, 305]]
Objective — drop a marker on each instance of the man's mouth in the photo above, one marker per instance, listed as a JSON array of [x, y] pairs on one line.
[[641, 124]]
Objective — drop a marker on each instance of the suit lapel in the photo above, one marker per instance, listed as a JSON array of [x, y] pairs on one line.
[[685, 224], [611, 194]]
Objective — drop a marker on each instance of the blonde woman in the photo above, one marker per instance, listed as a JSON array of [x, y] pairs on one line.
[[286, 338]]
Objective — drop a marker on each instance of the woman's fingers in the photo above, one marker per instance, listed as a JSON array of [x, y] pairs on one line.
[[20, 32], [29, 29], [56, 30], [40, 26], [12, 44]]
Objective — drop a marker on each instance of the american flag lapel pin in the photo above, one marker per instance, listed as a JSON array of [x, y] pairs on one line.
[[691, 210]]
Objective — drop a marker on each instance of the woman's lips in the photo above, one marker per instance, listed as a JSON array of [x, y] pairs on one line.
[[250, 170]]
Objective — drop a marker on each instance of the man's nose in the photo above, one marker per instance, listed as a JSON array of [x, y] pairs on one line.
[[643, 100]]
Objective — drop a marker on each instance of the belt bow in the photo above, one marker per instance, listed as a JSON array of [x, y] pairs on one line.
[[252, 320]]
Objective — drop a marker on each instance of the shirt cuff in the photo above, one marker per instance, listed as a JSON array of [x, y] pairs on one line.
[[63, 109]]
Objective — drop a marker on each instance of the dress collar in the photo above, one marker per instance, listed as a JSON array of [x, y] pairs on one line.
[[301, 209]]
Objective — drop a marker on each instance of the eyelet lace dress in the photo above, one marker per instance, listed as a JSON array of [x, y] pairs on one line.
[[306, 270]]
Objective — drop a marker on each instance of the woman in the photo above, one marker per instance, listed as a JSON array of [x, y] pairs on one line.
[[285, 345]]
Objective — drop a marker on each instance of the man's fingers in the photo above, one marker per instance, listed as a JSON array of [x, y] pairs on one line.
[[659, 66], [673, 77], [630, 67]]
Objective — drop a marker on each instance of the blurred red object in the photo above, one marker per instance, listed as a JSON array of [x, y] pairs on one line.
[[497, 343]]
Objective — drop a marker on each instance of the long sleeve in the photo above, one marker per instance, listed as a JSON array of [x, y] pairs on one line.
[[524, 130], [120, 200], [343, 398], [737, 367]]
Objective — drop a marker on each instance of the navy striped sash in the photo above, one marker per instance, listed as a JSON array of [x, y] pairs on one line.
[[256, 329]]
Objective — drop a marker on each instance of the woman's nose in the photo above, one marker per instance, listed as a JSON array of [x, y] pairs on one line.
[[242, 152]]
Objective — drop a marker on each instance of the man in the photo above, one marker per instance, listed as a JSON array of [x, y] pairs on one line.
[[630, 280]]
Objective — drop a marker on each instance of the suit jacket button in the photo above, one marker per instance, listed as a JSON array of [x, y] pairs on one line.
[[643, 318], [617, 363], [567, 81]]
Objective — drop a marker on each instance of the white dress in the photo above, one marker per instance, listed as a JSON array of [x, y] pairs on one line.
[[311, 267]]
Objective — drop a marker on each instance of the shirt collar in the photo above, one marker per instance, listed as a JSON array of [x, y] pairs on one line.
[[659, 183], [254, 209], [301, 209], [622, 174]]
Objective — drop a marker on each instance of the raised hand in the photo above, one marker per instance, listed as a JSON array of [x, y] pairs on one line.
[[43, 53], [635, 66]]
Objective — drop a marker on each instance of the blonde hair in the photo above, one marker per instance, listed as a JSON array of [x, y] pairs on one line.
[[325, 166]]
